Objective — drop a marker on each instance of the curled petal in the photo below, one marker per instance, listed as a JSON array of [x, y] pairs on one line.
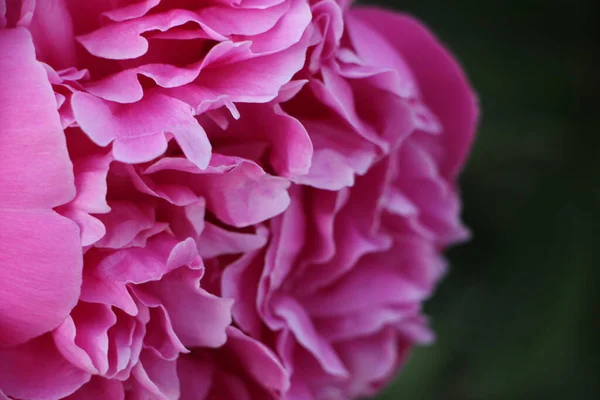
[[180, 293], [443, 84], [139, 130]]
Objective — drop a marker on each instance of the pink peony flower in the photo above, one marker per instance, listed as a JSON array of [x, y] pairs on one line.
[[221, 199]]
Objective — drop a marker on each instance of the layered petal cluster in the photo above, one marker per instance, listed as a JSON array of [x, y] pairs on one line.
[[221, 199]]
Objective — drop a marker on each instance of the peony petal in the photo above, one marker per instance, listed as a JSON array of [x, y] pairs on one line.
[[365, 322], [140, 265], [198, 317], [39, 251], [37, 371], [92, 322], [99, 389], [3, 8], [298, 321], [288, 30], [124, 40], [258, 361], [372, 361], [226, 20], [154, 378], [216, 241], [354, 292], [443, 84], [239, 282], [195, 377], [438, 203], [138, 130], [52, 31], [124, 223], [131, 11], [35, 171], [64, 339], [160, 335], [126, 339], [292, 149], [239, 192]]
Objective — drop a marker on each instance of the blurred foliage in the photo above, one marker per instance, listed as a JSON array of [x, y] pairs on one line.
[[517, 316]]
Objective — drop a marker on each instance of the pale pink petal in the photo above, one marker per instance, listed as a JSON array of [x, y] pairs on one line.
[[92, 322], [64, 340], [97, 288], [299, 323], [289, 30], [124, 223], [91, 172], [329, 23], [124, 40], [198, 317], [239, 192], [139, 130], [216, 241], [258, 361], [126, 341], [139, 265], [261, 76], [154, 378], [226, 20]]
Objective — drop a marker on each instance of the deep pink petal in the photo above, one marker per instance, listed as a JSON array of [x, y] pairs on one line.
[[195, 377], [372, 361], [40, 252], [443, 84], [35, 171], [37, 371], [99, 389], [52, 31]]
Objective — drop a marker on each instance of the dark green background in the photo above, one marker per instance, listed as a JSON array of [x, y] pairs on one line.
[[518, 314]]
